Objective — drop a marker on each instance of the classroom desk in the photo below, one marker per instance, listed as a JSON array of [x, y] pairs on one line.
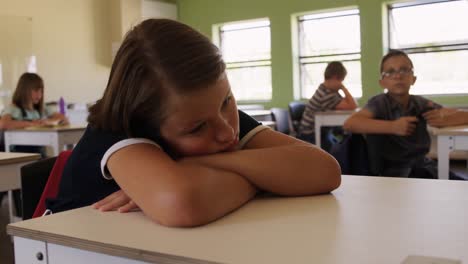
[[448, 139], [271, 124], [329, 118], [259, 115], [55, 137], [367, 220], [10, 175]]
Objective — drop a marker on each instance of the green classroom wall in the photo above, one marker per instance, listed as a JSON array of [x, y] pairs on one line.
[[203, 14]]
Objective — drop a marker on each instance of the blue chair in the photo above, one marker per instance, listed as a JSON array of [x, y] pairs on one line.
[[282, 120], [296, 108]]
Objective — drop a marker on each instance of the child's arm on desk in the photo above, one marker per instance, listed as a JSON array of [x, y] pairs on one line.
[[197, 190], [176, 193], [363, 122], [280, 164], [6, 122], [446, 117], [61, 119], [348, 102]]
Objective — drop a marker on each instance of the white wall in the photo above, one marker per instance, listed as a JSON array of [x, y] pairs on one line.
[[71, 40]]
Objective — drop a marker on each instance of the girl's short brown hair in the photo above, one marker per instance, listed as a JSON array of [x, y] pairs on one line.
[[22, 95], [156, 55]]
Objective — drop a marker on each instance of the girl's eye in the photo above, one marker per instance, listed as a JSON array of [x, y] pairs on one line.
[[227, 100], [197, 129]]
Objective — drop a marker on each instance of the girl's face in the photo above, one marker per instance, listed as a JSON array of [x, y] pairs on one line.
[[36, 95], [200, 122]]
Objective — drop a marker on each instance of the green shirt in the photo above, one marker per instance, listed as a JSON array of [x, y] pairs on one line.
[[16, 113]]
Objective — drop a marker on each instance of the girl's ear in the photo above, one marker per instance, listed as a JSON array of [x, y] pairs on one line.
[[414, 80]]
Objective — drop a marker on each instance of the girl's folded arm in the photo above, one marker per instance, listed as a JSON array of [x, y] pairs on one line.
[[177, 193], [280, 164]]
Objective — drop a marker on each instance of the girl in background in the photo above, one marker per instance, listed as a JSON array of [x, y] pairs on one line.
[[27, 109]]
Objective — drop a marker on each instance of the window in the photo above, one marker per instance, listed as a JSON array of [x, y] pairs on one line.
[[246, 50], [326, 37], [436, 39]]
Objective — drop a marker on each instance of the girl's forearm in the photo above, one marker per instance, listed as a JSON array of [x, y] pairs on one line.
[[298, 169], [14, 124], [202, 195], [363, 125]]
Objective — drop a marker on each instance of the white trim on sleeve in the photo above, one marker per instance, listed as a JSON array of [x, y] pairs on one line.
[[251, 134], [119, 145]]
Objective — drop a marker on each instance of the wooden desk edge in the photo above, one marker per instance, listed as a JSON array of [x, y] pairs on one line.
[[49, 129], [31, 157], [131, 253]]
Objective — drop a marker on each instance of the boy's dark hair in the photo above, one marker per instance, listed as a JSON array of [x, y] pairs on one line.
[[22, 95], [394, 53], [157, 55], [335, 69]]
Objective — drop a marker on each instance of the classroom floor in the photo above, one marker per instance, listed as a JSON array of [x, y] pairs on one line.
[[6, 245]]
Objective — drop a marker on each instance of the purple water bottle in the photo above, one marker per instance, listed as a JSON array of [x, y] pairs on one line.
[[62, 105]]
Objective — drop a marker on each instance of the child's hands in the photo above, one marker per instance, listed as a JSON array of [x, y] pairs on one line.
[[116, 201], [404, 126], [437, 117], [38, 122]]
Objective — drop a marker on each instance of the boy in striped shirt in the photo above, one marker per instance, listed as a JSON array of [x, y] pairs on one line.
[[326, 98]]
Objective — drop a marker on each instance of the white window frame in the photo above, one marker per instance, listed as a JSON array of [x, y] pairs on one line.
[[429, 48], [302, 60], [217, 39]]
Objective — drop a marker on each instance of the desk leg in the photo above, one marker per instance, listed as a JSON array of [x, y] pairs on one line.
[[10, 206], [318, 125], [56, 148], [444, 146], [6, 141]]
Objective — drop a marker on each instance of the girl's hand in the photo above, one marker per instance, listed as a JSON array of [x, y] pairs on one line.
[[38, 122], [119, 201]]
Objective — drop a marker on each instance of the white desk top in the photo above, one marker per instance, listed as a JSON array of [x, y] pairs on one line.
[[257, 112], [451, 131], [51, 128], [337, 112], [16, 157], [367, 220]]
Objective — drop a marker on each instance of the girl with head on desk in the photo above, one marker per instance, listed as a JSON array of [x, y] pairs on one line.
[[27, 107], [167, 137]]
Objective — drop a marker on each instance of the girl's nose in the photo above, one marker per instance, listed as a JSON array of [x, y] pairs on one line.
[[224, 131]]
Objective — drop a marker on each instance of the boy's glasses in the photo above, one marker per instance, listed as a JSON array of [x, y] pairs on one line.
[[392, 74]]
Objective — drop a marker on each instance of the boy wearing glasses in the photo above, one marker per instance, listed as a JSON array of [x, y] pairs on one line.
[[395, 124]]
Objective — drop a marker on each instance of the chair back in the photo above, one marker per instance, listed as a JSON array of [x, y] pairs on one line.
[[296, 108], [33, 180], [282, 120], [53, 183]]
